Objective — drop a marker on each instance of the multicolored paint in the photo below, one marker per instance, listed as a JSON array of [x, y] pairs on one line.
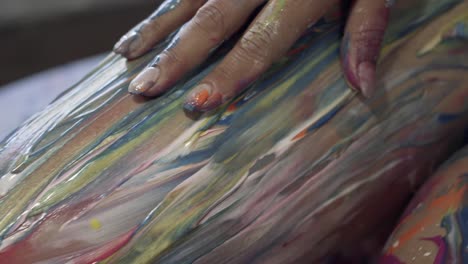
[[296, 169], [434, 227]]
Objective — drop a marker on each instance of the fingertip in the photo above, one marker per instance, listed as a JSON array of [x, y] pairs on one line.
[[203, 98], [367, 80], [129, 46], [139, 88], [189, 106], [119, 48], [197, 97], [144, 82], [362, 44], [214, 101]]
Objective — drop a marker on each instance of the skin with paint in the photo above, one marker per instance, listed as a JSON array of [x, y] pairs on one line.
[[434, 227], [278, 24], [296, 169]]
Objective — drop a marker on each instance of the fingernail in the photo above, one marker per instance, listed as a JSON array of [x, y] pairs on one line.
[[197, 97], [128, 45], [144, 81], [366, 72]]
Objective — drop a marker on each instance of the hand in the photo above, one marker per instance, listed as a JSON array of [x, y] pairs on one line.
[[279, 24]]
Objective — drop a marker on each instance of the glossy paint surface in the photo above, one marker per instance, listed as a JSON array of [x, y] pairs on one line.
[[434, 226], [295, 170]]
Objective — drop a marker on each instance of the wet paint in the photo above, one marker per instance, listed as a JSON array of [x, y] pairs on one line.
[[131, 43], [297, 153], [435, 230], [166, 7]]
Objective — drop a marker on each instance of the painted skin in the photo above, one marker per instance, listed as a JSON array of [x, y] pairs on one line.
[[273, 31], [433, 229], [295, 170]]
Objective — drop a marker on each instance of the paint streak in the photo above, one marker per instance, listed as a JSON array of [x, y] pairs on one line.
[[236, 185], [442, 248], [166, 7], [440, 218]]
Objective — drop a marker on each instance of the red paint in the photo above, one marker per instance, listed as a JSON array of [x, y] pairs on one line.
[[297, 50], [107, 250], [232, 107]]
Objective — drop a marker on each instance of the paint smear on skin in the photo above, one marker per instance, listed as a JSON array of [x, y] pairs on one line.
[[277, 9], [165, 8], [463, 228], [300, 135], [441, 214], [460, 30], [443, 205], [237, 185], [173, 43], [272, 20], [95, 224], [456, 29], [445, 118], [441, 246]]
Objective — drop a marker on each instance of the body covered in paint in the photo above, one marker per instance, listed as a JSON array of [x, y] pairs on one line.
[[296, 169]]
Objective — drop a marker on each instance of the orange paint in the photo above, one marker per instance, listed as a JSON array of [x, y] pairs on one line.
[[201, 97], [300, 135], [450, 201], [438, 208]]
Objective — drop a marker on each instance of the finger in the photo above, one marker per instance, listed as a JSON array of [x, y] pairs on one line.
[[362, 42], [274, 30], [167, 18], [214, 22]]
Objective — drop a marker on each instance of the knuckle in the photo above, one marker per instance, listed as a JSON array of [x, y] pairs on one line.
[[148, 26], [256, 43], [211, 20], [225, 71], [171, 56]]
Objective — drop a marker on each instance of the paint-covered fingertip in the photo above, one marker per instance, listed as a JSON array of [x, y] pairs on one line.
[[190, 107], [361, 80], [128, 46], [197, 97], [120, 49], [203, 99]]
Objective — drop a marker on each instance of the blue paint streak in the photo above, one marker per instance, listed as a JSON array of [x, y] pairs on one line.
[[462, 218], [447, 118], [323, 120]]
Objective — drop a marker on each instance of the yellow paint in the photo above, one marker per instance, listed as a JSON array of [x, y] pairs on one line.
[[95, 224], [439, 37]]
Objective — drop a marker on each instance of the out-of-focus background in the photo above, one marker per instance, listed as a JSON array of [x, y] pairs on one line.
[[48, 45], [37, 34]]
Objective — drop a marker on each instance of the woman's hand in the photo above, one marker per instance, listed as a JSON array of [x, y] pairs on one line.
[[279, 24]]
